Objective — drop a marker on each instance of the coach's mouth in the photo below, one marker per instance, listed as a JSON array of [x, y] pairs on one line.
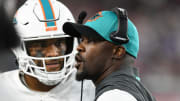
[[79, 62]]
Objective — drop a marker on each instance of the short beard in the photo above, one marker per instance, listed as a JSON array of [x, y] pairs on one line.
[[81, 75], [85, 75]]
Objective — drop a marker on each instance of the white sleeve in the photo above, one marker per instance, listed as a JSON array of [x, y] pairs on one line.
[[116, 95]]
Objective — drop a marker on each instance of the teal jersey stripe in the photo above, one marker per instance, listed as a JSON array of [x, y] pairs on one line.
[[48, 12], [50, 24]]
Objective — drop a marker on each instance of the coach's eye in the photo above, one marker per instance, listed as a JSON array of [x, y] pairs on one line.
[[83, 39], [80, 39], [90, 40]]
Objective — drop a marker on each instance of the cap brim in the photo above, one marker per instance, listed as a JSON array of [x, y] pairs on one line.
[[78, 30]]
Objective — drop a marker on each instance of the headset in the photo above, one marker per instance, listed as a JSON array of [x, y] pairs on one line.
[[120, 36]]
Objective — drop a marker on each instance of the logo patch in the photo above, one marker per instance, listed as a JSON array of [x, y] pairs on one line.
[[94, 18]]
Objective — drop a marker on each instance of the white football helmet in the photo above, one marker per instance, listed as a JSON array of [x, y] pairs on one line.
[[37, 20]]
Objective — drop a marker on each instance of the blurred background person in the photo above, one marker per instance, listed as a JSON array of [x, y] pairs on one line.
[[159, 27], [8, 39]]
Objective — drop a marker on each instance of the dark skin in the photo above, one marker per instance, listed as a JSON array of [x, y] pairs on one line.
[[47, 48], [97, 59]]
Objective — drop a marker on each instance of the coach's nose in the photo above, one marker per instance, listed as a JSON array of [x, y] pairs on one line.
[[81, 47]]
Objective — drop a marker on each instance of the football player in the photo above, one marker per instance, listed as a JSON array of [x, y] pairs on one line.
[[45, 57]]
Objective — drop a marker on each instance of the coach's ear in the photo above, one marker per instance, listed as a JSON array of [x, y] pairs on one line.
[[118, 52]]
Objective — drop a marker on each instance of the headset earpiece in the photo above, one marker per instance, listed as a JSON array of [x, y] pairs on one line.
[[81, 17], [120, 36], [80, 20]]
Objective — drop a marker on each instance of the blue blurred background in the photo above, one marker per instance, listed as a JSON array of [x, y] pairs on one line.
[[158, 23]]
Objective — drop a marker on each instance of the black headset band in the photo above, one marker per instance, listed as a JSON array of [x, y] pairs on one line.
[[120, 36]]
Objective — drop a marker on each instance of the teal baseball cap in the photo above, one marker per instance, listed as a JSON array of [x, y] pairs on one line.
[[103, 24]]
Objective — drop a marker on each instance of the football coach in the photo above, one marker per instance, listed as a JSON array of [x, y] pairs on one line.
[[106, 54]]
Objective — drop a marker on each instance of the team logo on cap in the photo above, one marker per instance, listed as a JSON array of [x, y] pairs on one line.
[[94, 18]]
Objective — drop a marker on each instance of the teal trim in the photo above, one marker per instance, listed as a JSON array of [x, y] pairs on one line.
[[108, 23], [48, 12], [49, 24], [138, 78], [14, 21]]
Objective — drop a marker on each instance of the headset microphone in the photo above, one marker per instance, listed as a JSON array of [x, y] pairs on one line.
[[81, 17]]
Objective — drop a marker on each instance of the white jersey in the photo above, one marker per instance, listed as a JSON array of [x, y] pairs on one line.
[[116, 95], [12, 89]]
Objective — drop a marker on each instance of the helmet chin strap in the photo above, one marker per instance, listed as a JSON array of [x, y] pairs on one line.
[[49, 81]]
